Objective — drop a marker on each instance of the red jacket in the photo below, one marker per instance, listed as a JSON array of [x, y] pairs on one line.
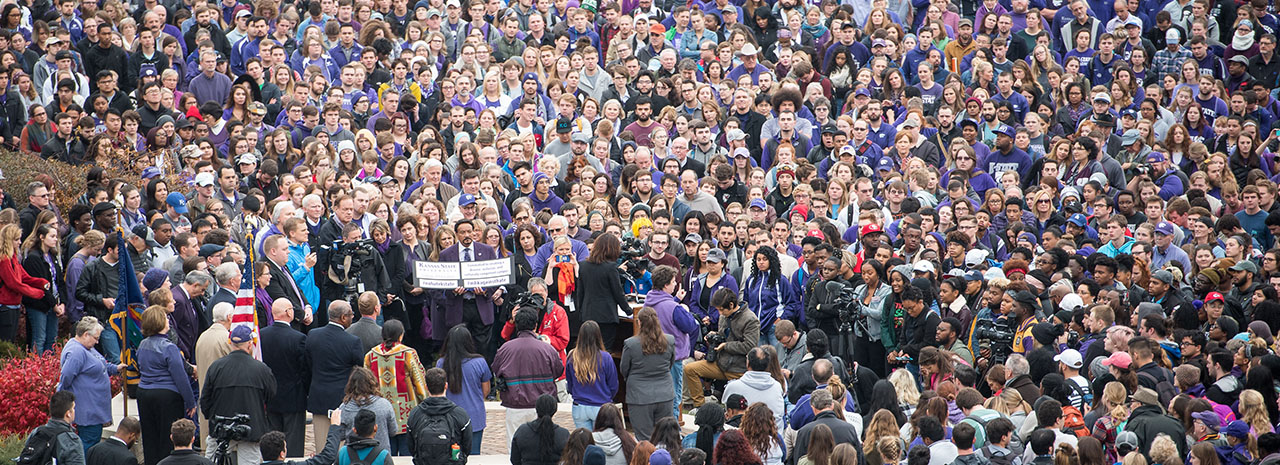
[[15, 283]]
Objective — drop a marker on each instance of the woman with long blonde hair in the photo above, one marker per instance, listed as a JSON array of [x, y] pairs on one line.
[[883, 426], [1011, 404], [1254, 412], [1115, 404], [904, 383], [15, 283]]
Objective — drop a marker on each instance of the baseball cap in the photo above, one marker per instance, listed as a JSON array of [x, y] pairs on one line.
[[1172, 36], [1155, 157], [208, 250], [241, 334], [1235, 429], [247, 159], [1006, 130], [1244, 265], [1078, 219], [862, 92], [736, 134], [1102, 96], [869, 229], [204, 179], [465, 199], [885, 164], [1164, 276], [150, 172], [178, 202], [758, 203], [1127, 439], [715, 255], [964, 22], [147, 70], [52, 40], [1209, 418], [974, 275], [564, 126], [257, 108], [830, 129], [657, 28], [1165, 228], [923, 266], [1118, 359], [143, 231], [878, 43], [741, 152], [1214, 296], [693, 237], [1070, 357], [581, 137], [1239, 58], [975, 257]]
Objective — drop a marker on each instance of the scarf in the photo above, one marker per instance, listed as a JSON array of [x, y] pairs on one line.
[[382, 248], [1242, 42], [817, 31], [564, 278]]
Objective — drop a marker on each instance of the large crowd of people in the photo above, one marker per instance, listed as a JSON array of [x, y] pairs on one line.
[[740, 232]]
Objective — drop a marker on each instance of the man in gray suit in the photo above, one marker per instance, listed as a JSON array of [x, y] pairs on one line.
[[366, 328]]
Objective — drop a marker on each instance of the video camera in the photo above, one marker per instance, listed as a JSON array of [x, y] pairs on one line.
[[997, 336], [529, 299], [232, 428], [350, 259], [633, 251]]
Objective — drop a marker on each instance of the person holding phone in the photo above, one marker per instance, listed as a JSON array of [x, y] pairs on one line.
[[562, 272]]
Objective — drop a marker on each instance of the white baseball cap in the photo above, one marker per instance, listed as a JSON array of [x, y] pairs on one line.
[[1070, 357]]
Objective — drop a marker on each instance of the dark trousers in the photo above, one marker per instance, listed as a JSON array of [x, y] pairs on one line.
[[157, 410], [479, 331], [294, 427], [871, 354], [9, 322]]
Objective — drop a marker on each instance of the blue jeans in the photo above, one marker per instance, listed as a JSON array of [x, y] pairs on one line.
[[584, 416], [767, 338], [677, 377], [44, 329], [110, 344], [89, 435], [476, 439], [400, 445]]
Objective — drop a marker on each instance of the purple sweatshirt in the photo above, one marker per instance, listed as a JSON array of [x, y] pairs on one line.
[[675, 318], [598, 393]]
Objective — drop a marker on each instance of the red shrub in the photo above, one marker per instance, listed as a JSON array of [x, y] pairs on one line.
[[26, 384]]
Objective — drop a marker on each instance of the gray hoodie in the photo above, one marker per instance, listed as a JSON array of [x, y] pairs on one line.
[[759, 386], [612, 446]]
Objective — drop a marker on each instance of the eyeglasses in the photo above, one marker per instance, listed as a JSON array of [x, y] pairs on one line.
[[964, 158]]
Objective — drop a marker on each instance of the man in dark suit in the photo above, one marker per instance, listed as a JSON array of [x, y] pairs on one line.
[[282, 285], [115, 449], [475, 305], [228, 276], [187, 310], [332, 354], [284, 351]]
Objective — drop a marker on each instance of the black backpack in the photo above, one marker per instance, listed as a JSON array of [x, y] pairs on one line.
[[432, 439], [1164, 386], [42, 445]]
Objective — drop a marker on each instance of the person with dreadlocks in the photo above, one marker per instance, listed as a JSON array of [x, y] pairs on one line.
[[710, 421], [770, 295]]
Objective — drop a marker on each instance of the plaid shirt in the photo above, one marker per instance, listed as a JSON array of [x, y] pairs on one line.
[[1167, 62]]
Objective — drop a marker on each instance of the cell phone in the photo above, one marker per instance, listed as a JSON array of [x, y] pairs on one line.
[[562, 259]]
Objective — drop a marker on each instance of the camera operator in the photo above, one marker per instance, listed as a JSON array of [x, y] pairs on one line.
[[343, 279], [1158, 170], [919, 327], [239, 384], [739, 332]]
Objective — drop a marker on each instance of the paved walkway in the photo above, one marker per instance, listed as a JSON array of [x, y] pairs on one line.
[[494, 446]]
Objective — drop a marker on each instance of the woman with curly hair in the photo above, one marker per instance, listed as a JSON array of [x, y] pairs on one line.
[[733, 449], [883, 426], [761, 432], [769, 294]]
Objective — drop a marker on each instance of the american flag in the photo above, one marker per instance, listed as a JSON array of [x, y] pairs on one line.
[[244, 314]]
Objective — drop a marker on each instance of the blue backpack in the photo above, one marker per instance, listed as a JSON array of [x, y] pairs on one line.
[[375, 455]]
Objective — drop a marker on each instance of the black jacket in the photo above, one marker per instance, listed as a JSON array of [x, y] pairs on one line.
[[285, 353], [112, 58], [605, 286], [802, 381], [918, 332], [110, 452], [842, 431], [459, 423], [14, 116], [236, 384], [27, 219], [328, 456], [185, 457], [332, 353], [1148, 421], [280, 286], [70, 151], [528, 449], [98, 281], [36, 266]]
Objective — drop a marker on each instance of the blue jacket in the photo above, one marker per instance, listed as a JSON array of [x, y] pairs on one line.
[[771, 302]]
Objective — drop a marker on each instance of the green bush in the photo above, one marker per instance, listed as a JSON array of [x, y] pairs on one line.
[[10, 351], [11, 447]]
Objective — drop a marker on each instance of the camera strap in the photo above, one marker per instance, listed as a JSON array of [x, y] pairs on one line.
[[346, 271]]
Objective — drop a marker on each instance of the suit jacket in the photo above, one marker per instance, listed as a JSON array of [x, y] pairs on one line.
[[333, 353], [110, 452], [368, 331], [284, 351], [186, 317], [280, 287], [453, 302]]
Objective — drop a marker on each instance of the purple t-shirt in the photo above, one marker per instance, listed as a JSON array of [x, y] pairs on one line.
[[474, 372]]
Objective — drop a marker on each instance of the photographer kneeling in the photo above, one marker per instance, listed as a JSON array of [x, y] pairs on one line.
[[739, 332]]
